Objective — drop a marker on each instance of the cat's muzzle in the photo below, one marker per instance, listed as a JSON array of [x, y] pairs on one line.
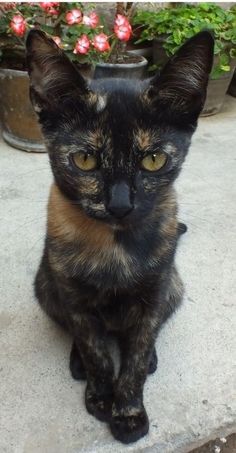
[[119, 205]]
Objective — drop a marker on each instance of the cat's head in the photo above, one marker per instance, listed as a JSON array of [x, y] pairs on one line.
[[116, 145]]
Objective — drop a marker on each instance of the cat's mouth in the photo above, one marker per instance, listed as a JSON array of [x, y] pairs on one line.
[[117, 218], [116, 223]]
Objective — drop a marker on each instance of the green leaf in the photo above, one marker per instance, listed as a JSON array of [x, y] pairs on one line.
[[225, 68], [204, 6], [47, 29], [224, 59], [232, 53], [216, 73]]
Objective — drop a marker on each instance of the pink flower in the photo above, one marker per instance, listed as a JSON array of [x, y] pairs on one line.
[[123, 32], [92, 20], [82, 45], [18, 25], [50, 7], [74, 16], [121, 20], [53, 11], [57, 40], [122, 28], [101, 43]]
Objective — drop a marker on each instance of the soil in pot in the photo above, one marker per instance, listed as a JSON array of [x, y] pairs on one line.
[[132, 67]]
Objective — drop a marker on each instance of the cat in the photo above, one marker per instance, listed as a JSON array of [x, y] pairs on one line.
[[116, 147]]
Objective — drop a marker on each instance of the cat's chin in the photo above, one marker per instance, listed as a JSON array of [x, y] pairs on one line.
[[112, 222], [118, 226]]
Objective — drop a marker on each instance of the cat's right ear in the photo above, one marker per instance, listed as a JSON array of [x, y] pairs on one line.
[[180, 89], [53, 78]]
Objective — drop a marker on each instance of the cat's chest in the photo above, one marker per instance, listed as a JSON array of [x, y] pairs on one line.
[[106, 267]]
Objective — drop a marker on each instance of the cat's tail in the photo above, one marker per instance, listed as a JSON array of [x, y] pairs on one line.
[[182, 228]]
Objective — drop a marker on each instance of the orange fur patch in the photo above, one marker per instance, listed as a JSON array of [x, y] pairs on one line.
[[69, 223], [143, 139]]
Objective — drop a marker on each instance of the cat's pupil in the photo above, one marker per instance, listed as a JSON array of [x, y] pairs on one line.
[[153, 157]]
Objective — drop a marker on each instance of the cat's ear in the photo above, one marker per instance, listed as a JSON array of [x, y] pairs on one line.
[[181, 85], [53, 78]]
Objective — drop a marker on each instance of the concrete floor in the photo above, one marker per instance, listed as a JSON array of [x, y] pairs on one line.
[[192, 397]]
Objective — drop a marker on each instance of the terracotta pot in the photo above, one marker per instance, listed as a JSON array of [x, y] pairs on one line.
[[19, 122], [127, 70]]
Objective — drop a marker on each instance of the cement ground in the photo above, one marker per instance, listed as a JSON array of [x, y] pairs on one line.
[[192, 397]]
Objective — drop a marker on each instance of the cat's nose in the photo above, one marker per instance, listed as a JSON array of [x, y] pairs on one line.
[[119, 204]]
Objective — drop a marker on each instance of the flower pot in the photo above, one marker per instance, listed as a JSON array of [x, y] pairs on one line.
[[120, 70], [19, 122], [232, 87], [216, 92], [144, 49]]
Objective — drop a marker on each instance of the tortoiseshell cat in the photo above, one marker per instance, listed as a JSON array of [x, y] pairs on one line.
[[116, 148]]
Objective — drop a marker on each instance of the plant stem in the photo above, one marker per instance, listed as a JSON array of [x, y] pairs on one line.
[[114, 43], [120, 8]]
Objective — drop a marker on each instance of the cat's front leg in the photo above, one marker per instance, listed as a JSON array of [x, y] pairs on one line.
[[90, 339], [129, 418]]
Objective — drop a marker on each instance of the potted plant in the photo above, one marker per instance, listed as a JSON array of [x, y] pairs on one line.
[[85, 37], [115, 59], [169, 27]]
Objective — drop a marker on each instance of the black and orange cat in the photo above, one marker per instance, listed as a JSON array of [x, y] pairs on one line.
[[116, 147]]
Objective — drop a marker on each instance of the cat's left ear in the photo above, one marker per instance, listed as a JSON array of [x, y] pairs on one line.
[[53, 78], [180, 88]]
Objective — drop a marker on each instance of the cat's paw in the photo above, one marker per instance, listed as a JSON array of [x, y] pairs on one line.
[[76, 364], [99, 405], [129, 425], [153, 362]]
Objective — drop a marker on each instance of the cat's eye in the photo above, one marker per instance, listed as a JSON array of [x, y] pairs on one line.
[[84, 161], [154, 162]]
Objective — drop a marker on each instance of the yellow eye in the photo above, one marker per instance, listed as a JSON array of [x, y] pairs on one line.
[[154, 162], [85, 162]]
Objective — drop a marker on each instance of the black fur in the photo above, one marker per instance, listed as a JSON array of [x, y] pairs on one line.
[[108, 263]]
